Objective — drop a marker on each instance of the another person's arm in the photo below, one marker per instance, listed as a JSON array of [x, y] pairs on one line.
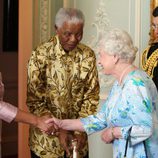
[[11, 113], [28, 118], [7, 111]]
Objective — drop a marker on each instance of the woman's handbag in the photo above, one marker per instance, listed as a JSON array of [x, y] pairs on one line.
[[127, 141]]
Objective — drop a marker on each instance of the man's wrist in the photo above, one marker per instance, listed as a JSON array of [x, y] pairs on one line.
[[78, 133]]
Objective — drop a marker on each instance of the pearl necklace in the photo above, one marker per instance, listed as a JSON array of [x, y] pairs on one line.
[[124, 71]]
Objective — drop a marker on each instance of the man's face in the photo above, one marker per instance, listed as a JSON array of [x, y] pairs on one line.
[[155, 27], [70, 34]]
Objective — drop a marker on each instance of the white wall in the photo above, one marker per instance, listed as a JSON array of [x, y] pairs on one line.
[[131, 15]]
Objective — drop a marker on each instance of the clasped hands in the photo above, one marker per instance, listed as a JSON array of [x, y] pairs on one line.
[[48, 125], [53, 126]]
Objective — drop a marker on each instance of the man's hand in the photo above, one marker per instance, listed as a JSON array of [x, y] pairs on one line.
[[48, 128], [65, 138], [56, 123], [81, 139]]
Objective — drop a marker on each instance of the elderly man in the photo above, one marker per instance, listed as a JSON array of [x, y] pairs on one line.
[[62, 82]]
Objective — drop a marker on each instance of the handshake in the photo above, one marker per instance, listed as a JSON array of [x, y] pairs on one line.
[[52, 125], [48, 125], [71, 142]]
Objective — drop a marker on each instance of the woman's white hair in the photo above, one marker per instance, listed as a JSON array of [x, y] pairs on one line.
[[69, 15], [118, 42]]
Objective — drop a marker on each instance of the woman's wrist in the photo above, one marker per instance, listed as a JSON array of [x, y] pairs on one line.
[[112, 133], [116, 132]]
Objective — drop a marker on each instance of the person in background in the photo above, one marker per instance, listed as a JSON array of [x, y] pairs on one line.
[[62, 83], [11, 113], [128, 112], [150, 54]]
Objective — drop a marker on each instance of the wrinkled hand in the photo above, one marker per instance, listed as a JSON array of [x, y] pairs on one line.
[[81, 140], [107, 136], [54, 122], [44, 126], [65, 138]]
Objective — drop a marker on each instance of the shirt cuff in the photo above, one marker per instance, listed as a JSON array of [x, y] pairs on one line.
[[7, 111]]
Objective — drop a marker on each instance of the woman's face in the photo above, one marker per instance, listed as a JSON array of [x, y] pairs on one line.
[[106, 61]]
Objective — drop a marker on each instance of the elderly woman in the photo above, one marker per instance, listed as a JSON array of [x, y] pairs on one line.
[[128, 111]]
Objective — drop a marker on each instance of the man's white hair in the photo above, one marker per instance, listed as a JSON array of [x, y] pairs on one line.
[[69, 15]]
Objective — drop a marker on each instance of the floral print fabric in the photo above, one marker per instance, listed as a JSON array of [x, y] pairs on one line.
[[61, 84], [131, 104]]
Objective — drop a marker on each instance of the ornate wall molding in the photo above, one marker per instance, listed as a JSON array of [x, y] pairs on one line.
[[45, 19], [101, 24]]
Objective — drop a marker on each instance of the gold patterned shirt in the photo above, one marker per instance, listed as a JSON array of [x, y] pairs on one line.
[[62, 84]]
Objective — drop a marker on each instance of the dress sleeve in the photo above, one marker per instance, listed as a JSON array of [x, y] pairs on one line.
[[140, 111], [94, 123], [7, 111]]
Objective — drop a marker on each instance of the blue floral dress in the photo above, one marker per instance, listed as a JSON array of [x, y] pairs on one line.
[[131, 104]]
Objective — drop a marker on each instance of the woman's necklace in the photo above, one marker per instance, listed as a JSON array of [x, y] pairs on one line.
[[123, 72]]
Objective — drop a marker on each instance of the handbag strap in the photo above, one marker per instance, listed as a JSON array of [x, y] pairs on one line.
[[126, 147], [145, 148]]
